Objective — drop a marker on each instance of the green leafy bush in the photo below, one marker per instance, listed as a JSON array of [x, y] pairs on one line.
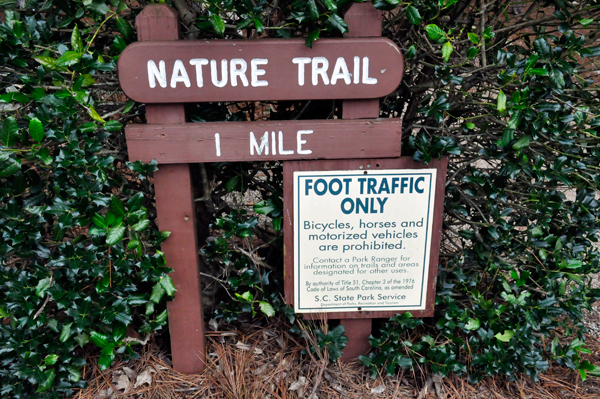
[[78, 263], [506, 90]]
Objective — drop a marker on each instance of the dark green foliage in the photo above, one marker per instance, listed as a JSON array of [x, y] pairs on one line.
[[510, 98], [77, 259]]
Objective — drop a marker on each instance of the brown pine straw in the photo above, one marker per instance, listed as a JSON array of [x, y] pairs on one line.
[[267, 362]]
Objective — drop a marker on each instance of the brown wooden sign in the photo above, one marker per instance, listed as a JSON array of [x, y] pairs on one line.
[[264, 141], [273, 69]]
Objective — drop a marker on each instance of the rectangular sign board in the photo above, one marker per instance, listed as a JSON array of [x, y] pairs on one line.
[[254, 70], [264, 140], [362, 239]]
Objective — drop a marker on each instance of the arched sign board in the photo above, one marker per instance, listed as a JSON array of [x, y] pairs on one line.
[[278, 69]]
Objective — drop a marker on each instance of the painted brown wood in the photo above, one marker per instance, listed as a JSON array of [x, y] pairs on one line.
[[176, 213], [363, 20], [366, 164], [330, 139], [385, 63]]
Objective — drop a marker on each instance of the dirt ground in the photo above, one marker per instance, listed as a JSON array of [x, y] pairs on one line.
[[268, 363]]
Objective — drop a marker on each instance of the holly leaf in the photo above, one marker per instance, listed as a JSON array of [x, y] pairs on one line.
[[501, 101], [167, 284], [36, 130], [313, 11], [434, 32], [217, 23], [115, 234], [508, 334], [266, 308], [413, 15], [312, 37], [473, 324], [76, 42], [521, 143], [447, 50], [124, 28], [9, 132]]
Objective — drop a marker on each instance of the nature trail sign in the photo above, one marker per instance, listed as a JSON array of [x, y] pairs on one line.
[[252, 70], [362, 225]]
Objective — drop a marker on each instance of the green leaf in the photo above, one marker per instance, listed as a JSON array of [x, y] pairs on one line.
[[47, 62], [100, 340], [217, 23], [557, 78], [103, 284], [9, 167], [141, 225], [536, 231], [167, 284], [411, 52], [508, 334], [413, 15], [521, 143], [266, 308], [49, 377], [473, 38], [541, 46], [338, 23], [447, 50], [42, 286], [435, 33], [312, 37], [574, 264], [330, 4], [113, 126], [539, 71], [313, 11], [69, 58], [51, 359], [98, 220], [36, 130], [107, 355], [472, 52], [115, 234], [501, 102], [470, 125], [74, 373], [9, 132], [94, 114], [473, 324], [162, 317], [116, 206], [65, 332], [586, 21], [157, 293], [76, 43], [82, 339], [124, 28]]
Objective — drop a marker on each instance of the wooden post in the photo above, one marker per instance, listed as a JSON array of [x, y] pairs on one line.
[[176, 213], [363, 20]]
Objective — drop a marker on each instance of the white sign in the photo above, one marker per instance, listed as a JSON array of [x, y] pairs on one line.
[[362, 239]]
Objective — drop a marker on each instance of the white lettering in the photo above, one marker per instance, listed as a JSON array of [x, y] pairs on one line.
[[365, 76], [273, 144], [255, 72], [238, 72], [198, 62], [179, 75], [356, 70], [213, 73], [281, 150], [264, 144], [218, 144], [319, 70], [155, 73], [300, 141], [301, 61], [340, 71]]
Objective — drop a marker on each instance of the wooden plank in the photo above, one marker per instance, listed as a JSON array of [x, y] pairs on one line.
[[254, 70], [176, 213], [368, 164], [363, 21], [241, 141]]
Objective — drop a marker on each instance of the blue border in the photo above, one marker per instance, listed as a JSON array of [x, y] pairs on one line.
[[297, 196]]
